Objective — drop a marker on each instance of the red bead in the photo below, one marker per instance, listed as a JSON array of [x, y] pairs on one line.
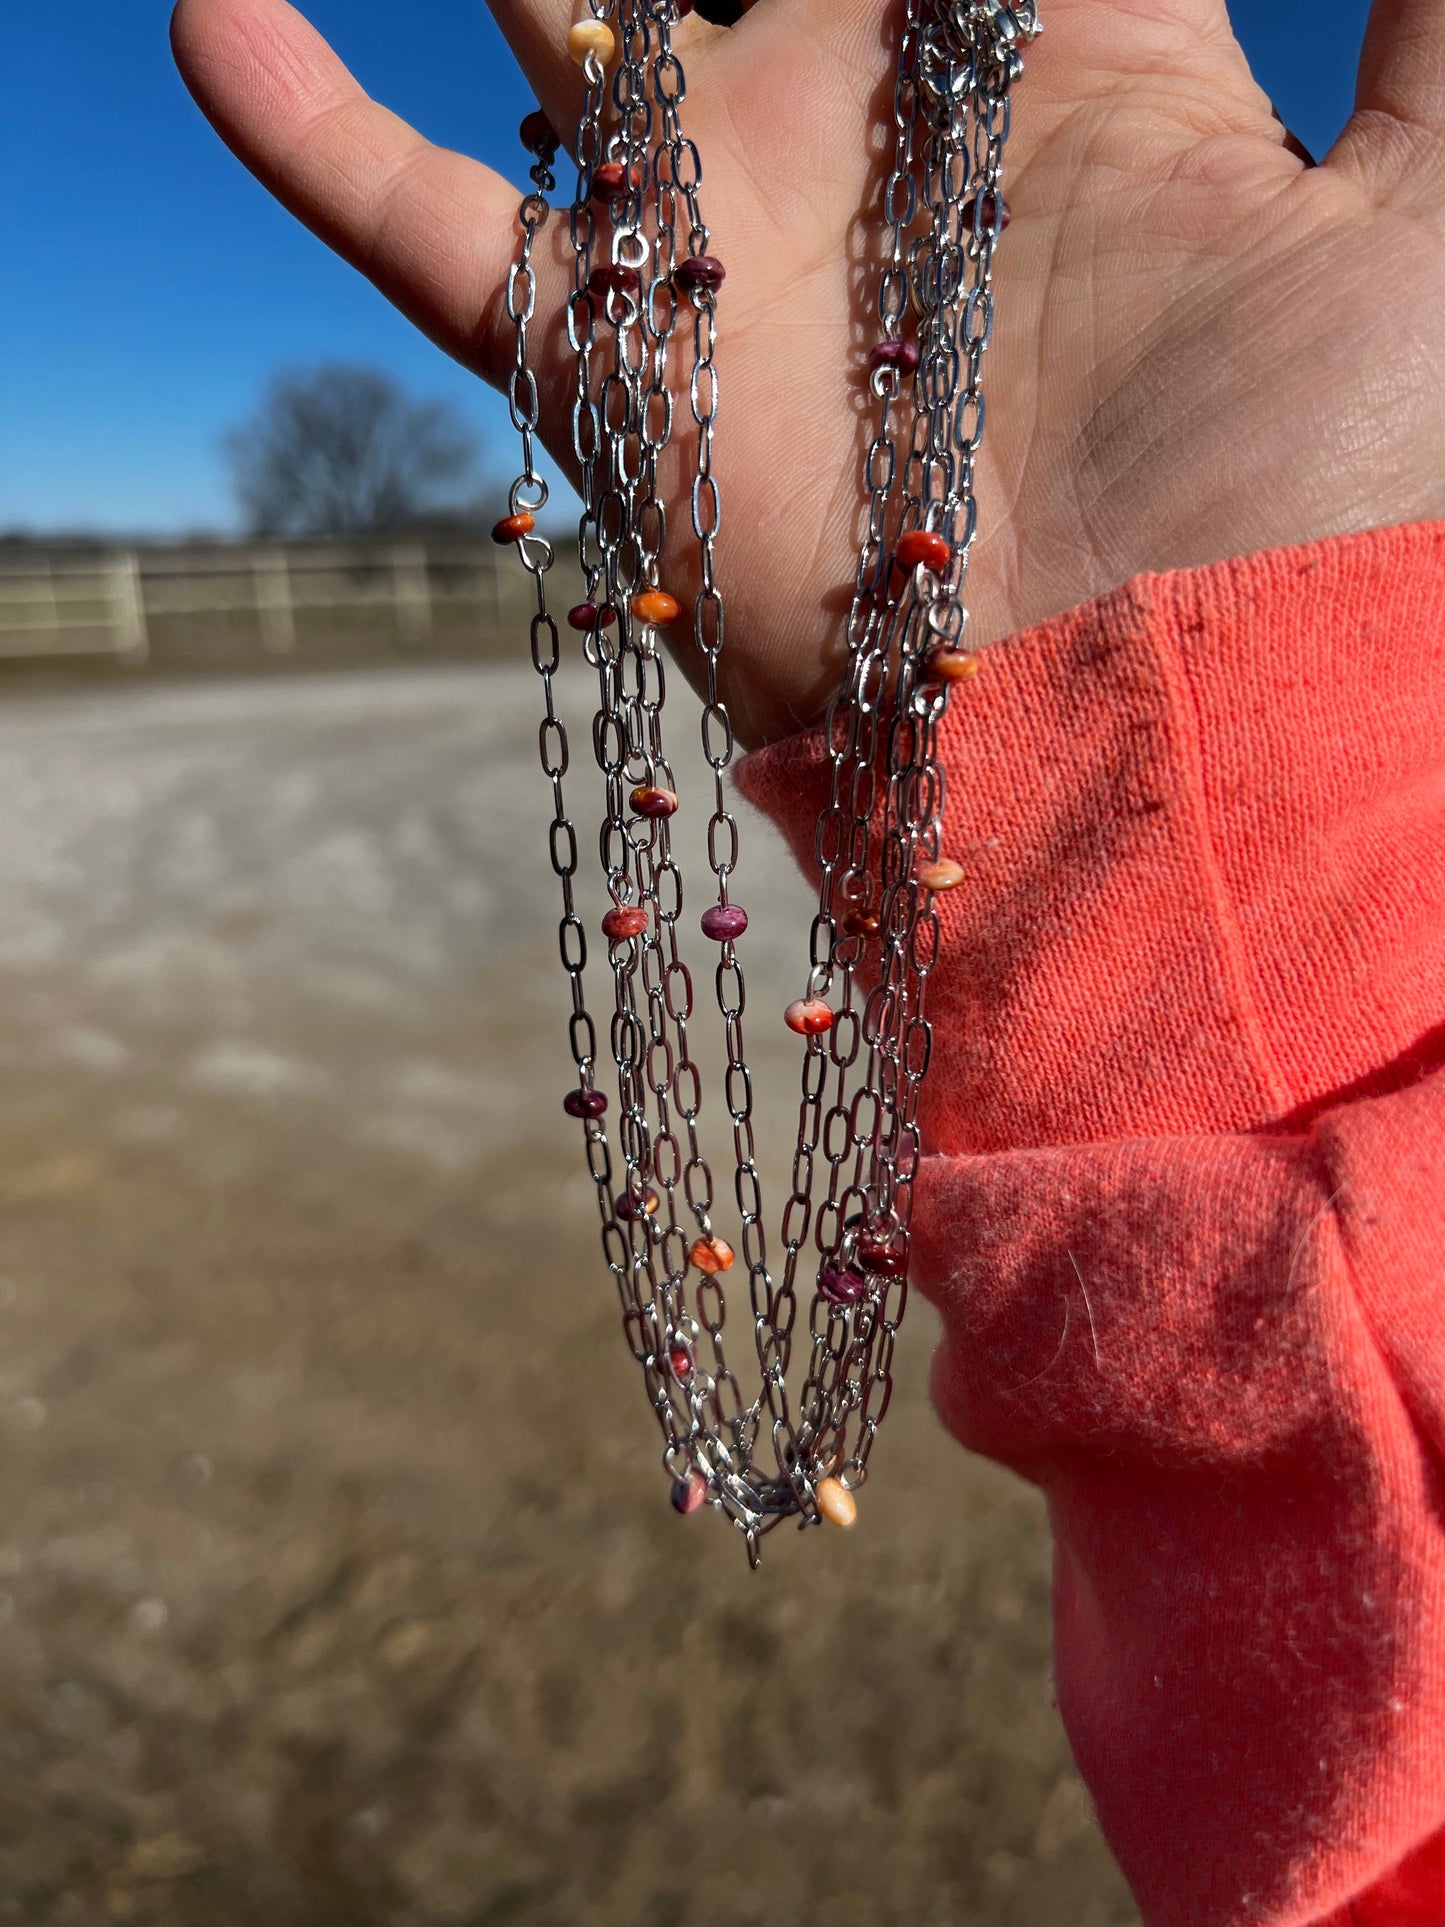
[[614, 278], [862, 923], [583, 615], [610, 179], [585, 1103], [688, 1494], [684, 8], [926, 547], [987, 208], [512, 528], [809, 1017], [902, 355], [649, 799], [699, 273], [889, 1261], [624, 920], [679, 1360], [537, 133]]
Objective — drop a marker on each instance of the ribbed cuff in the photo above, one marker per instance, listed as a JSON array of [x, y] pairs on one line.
[[1203, 824]]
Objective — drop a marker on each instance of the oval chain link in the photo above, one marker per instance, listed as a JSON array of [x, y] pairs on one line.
[[875, 938]]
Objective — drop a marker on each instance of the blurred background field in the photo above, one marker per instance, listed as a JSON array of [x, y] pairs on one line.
[[337, 1577], [338, 1584]]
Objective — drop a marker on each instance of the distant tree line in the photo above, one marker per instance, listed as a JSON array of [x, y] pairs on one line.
[[346, 450]]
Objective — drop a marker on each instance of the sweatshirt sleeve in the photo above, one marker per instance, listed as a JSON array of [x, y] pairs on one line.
[[1183, 1209]]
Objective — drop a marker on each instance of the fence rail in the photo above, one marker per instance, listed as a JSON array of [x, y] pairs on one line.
[[140, 605]]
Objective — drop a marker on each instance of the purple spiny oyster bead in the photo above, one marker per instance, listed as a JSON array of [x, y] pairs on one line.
[[724, 922], [894, 354], [614, 277], [699, 271], [988, 209], [585, 1103], [841, 1285]]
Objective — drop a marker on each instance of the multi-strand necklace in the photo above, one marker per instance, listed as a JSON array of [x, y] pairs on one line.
[[642, 328]]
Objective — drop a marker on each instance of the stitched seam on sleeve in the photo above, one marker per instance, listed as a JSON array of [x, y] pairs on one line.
[[1187, 728]]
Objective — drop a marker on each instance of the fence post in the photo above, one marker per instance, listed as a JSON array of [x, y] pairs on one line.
[[49, 618], [271, 579], [127, 605], [412, 590]]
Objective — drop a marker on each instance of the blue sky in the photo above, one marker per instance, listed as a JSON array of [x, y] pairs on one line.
[[150, 286]]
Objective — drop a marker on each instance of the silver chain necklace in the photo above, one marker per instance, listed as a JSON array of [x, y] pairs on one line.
[[642, 331]]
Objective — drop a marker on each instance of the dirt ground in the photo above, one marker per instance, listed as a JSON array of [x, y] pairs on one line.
[[338, 1585]]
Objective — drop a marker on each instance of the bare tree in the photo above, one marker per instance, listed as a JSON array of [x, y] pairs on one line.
[[343, 450]]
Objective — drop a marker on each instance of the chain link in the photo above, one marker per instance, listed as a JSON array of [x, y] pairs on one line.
[[644, 287]]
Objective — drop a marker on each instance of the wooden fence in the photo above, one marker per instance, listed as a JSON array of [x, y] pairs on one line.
[[224, 603]]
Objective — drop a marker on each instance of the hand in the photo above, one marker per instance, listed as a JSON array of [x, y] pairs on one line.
[[1205, 345]]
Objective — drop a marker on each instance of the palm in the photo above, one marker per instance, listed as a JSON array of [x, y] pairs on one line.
[[1204, 346]]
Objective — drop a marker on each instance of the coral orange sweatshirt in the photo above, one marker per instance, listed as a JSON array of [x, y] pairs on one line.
[[1183, 1212]]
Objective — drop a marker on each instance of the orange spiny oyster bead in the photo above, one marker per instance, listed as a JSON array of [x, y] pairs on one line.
[[512, 528], [836, 1503], [613, 178], [711, 1255], [950, 665], [624, 920], [925, 546], [808, 1016], [942, 874], [656, 608]]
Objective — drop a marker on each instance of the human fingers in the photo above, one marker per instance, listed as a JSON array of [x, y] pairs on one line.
[[1395, 140], [433, 230], [537, 30]]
